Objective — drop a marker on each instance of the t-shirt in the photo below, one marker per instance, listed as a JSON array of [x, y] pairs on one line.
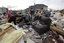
[[23, 12], [32, 11], [9, 14], [47, 13]]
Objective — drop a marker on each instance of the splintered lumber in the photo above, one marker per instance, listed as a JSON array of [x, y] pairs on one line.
[[5, 27], [13, 37], [8, 31], [57, 30]]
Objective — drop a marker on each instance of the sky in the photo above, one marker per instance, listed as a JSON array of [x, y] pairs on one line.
[[23, 4]]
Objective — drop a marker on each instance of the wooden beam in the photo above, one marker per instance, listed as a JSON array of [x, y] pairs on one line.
[[57, 30]]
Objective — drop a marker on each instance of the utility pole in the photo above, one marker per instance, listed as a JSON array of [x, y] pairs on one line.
[[34, 2]]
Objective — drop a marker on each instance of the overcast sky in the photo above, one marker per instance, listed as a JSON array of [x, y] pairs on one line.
[[23, 4]]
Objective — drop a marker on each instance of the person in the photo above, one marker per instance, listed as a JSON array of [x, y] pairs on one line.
[[42, 11], [47, 13], [12, 18], [22, 18], [28, 18], [32, 13], [25, 18], [36, 13]]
